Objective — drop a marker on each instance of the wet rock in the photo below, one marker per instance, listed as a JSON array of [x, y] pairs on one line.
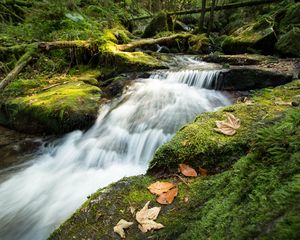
[[247, 78], [240, 59]]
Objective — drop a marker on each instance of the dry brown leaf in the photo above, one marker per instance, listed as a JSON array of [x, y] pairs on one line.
[[145, 217], [203, 171], [168, 197], [160, 187], [229, 126], [234, 122], [121, 225], [187, 171]]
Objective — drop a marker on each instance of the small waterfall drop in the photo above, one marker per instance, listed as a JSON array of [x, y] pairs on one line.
[[36, 200]]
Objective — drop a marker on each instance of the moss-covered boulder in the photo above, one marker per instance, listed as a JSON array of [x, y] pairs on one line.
[[51, 105], [114, 61], [289, 43], [160, 23], [258, 35], [255, 196], [198, 144]]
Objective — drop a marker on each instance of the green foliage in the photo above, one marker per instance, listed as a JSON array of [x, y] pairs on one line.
[[291, 18]]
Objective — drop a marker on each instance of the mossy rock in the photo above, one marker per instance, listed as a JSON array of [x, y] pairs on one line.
[[289, 44], [197, 144], [160, 23], [257, 197], [55, 105], [199, 44], [122, 62], [238, 59], [258, 35]]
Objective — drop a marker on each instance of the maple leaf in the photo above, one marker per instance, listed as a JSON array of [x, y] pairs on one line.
[[168, 197], [229, 126], [160, 187], [121, 225], [187, 171], [145, 217]]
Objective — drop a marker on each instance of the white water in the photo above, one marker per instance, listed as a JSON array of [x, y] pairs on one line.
[[37, 199]]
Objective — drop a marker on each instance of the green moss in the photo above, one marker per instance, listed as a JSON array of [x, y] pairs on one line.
[[289, 44], [53, 105], [255, 35], [291, 18], [99, 214], [258, 198], [199, 43], [199, 145], [120, 61]]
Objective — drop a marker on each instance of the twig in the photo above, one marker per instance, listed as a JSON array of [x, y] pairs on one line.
[[181, 179]]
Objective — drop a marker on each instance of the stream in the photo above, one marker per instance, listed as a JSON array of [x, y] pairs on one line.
[[39, 196]]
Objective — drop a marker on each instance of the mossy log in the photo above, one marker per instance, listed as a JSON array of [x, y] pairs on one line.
[[64, 44], [152, 41], [23, 61]]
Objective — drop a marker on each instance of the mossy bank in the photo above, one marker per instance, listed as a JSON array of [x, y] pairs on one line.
[[258, 168]]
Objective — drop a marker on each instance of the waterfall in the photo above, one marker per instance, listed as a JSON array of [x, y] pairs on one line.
[[35, 200]]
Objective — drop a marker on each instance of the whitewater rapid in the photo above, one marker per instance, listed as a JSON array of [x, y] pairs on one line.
[[35, 200]]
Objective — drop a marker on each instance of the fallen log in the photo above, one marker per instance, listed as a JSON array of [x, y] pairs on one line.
[[152, 41], [23, 61], [64, 44], [217, 8]]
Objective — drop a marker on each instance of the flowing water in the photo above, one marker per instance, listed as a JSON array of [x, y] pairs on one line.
[[36, 199]]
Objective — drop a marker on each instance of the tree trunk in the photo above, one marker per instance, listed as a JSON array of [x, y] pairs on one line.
[[211, 17], [201, 23], [151, 41]]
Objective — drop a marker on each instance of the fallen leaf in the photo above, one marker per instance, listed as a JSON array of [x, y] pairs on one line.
[[187, 171], [203, 171], [229, 126], [160, 187], [168, 197], [186, 199], [145, 217], [132, 210], [121, 225]]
